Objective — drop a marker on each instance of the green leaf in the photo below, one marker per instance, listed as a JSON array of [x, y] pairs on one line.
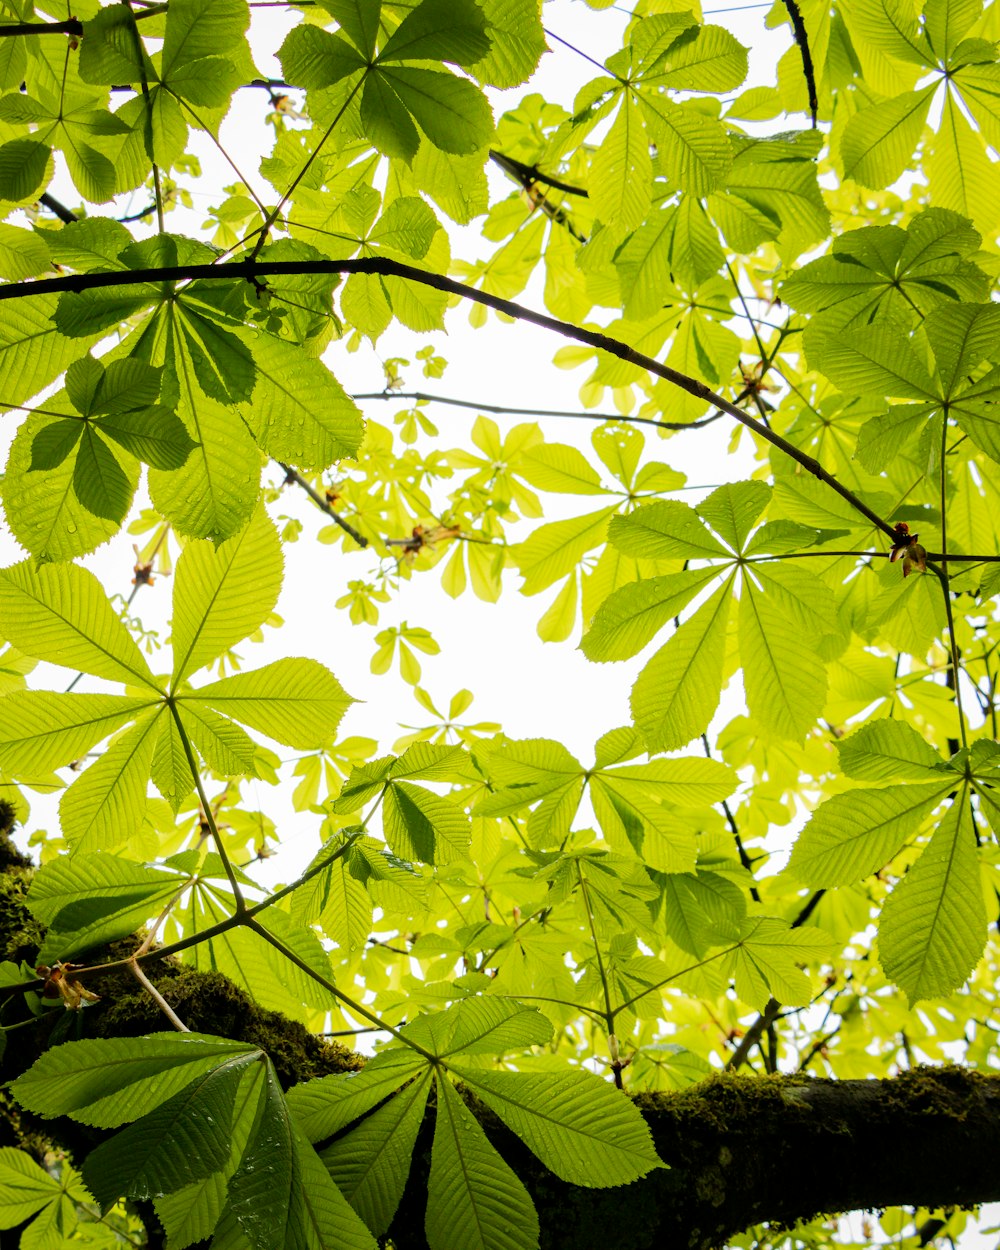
[[439, 30], [664, 530], [517, 39], [785, 683], [554, 550], [297, 702], [324, 1215], [765, 963], [888, 750], [223, 745], [191, 1213], [25, 1188], [33, 353], [41, 730], [180, 1141], [694, 150], [933, 926], [635, 613], [59, 613], [556, 467], [263, 1190], [676, 694], [101, 482], [24, 167], [370, 1165], [450, 111], [876, 360], [105, 808], [480, 1026], [22, 254], [90, 899], [853, 835], [702, 58], [733, 510], [421, 825], [299, 412], [622, 172], [214, 493], [108, 1082], [222, 593], [878, 141], [582, 1128], [359, 19], [324, 1106], [701, 909], [196, 30], [474, 1200], [110, 51]]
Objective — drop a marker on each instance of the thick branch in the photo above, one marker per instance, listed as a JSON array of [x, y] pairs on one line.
[[254, 271], [745, 1150]]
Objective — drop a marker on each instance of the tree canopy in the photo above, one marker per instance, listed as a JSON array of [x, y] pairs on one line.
[[605, 999]]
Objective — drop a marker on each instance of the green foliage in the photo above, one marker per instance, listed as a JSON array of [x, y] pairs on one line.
[[812, 650]]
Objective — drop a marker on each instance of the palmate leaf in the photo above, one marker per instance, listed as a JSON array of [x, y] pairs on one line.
[[676, 694], [888, 750], [324, 1106], [421, 825], [213, 494], [299, 412], [480, 1026], [785, 683], [105, 808], [878, 141], [622, 171], [634, 614], [41, 730], [667, 530], [191, 1213], [25, 1187], [765, 962]]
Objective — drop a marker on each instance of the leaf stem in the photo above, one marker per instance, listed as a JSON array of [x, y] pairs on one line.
[[609, 1015], [147, 128], [264, 230], [352, 1005], [206, 807], [942, 572]]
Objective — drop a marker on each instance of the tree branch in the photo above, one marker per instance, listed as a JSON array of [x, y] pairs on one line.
[[255, 271]]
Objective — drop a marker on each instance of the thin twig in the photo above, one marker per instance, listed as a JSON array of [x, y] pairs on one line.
[[504, 411], [158, 998], [324, 505]]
